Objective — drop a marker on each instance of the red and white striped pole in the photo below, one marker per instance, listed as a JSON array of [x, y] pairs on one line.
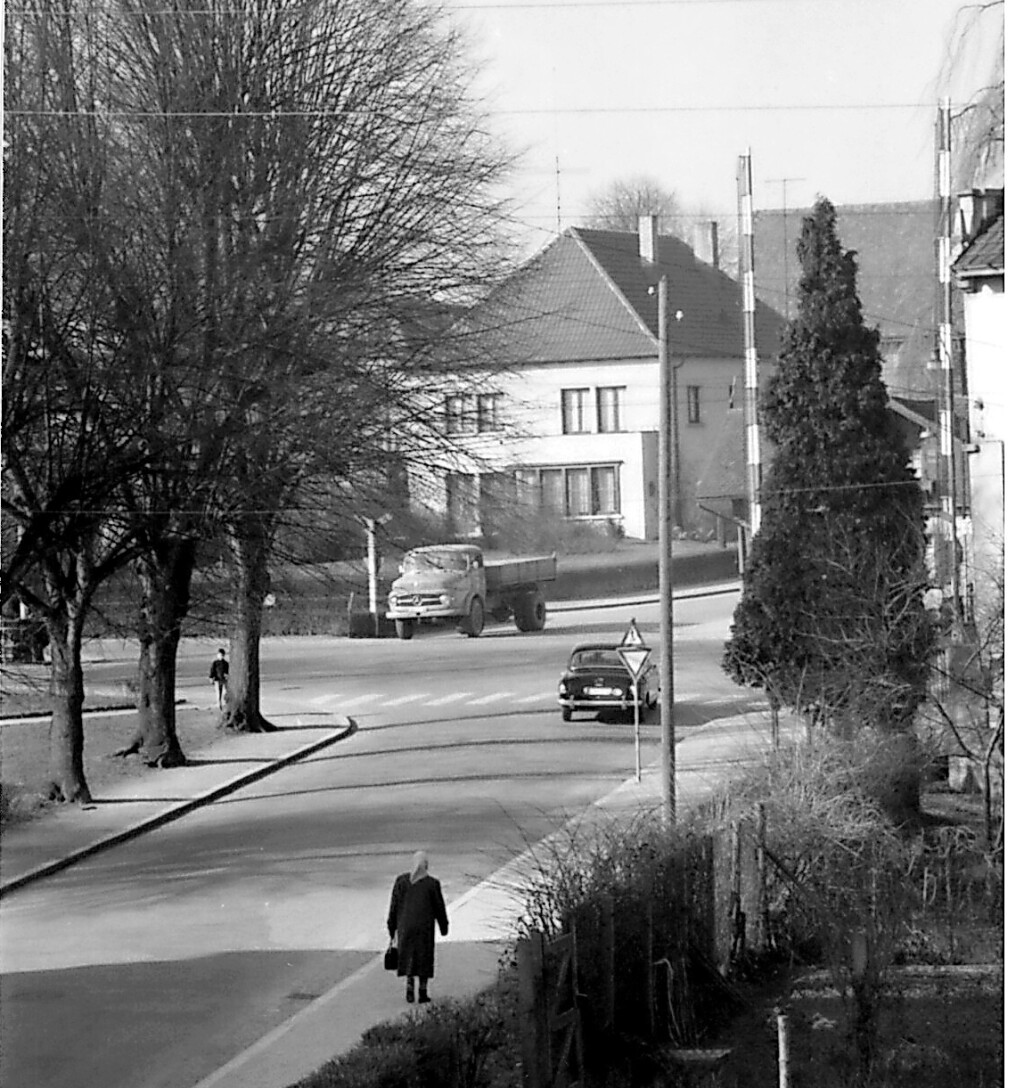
[[753, 439], [949, 572]]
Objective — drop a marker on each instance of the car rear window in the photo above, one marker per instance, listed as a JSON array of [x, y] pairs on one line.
[[589, 659]]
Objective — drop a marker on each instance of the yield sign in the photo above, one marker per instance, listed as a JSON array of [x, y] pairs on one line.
[[632, 637], [634, 658]]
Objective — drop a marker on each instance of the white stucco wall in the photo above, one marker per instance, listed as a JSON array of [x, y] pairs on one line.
[[990, 383], [531, 435]]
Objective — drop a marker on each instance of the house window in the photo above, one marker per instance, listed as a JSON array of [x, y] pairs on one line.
[[609, 408], [487, 412], [573, 411], [693, 404], [605, 489], [528, 488], [572, 491], [552, 490], [577, 492], [457, 418]]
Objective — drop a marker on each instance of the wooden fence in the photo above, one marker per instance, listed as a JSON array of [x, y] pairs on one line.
[[645, 959]]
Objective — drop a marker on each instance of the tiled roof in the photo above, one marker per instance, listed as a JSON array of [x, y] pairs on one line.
[[984, 253], [710, 301], [586, 297], [896, 280]]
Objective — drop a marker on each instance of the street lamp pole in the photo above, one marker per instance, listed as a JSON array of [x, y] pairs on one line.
[[666, 439]]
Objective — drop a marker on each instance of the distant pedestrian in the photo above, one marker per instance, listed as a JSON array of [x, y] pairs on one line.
[[219, 676], [416, 906]]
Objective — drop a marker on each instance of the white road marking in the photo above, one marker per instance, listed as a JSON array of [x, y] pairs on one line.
[[484, 699], [445, 699], [351, 700], [403, 699], [538, 697]]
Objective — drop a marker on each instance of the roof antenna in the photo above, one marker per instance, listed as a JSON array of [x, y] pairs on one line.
[[558, 167]]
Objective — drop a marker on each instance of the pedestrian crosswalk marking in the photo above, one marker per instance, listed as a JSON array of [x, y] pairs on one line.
[[381, 701], [366, 697], [445, 699], [493, 698], [404, 699]]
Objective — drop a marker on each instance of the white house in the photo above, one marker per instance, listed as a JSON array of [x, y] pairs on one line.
[[564, 417], [980, 273]]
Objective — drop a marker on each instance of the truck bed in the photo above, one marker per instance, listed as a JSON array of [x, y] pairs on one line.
[[505, 573]]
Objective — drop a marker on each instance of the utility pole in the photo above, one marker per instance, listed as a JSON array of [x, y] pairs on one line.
[[666, 441], [950, 570], [750, 424]]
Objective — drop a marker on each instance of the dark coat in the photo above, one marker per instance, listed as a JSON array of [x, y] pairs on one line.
[[414, 910]]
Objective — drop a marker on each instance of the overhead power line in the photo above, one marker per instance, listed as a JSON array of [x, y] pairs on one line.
[[538, 111]]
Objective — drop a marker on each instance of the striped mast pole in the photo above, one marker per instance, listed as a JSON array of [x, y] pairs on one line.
[[950, 569], [751, 432]]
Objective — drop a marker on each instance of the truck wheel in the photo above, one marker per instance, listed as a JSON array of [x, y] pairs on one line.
[[531, 612], [473, 623], [405, 628]]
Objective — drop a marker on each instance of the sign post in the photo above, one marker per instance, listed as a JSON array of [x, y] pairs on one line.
[[634, 656]]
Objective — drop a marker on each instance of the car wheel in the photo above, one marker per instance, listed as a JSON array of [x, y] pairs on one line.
[[473, 624], [405, 628], [566, 714]]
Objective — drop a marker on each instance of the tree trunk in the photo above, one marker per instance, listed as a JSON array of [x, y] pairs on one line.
[[67, 694], [166, 576], [249, 548]]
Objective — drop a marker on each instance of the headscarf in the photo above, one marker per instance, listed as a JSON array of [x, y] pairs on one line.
[[419, 866]]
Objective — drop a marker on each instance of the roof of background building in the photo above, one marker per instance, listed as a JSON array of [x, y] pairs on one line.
[[590, 296], [984, 255], [896, 281]]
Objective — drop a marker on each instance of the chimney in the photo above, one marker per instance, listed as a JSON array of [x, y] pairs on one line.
[[648, 233], [705, 242], [976, 208]]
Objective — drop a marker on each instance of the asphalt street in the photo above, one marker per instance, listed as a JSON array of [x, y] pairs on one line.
[[168, 955]]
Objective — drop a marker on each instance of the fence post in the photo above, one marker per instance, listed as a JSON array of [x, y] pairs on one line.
[[649, 968], [532, 1014], [783, 1029], [763, 936], [737, 917], [606, 943]]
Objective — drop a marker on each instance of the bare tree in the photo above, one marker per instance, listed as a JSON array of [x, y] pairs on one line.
[[621, 204], [289, 180], [70, 409], [974, 69]]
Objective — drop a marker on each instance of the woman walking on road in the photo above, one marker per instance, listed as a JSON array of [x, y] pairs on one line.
[[416, 905]]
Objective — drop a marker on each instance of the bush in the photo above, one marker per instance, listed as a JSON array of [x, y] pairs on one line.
[[471, 1043]]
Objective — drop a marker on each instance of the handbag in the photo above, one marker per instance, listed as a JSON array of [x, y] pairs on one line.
[[391, 957]]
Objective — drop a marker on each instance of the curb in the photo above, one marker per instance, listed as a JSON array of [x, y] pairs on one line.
[[715, 589], [246, 778]]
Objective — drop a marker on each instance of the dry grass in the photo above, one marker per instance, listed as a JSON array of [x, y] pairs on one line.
[[24, 741]]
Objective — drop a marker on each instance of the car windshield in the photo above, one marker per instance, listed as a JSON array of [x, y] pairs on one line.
[[424, 562], [595, 658]]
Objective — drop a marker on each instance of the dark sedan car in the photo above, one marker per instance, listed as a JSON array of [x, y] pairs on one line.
[[597, 679]]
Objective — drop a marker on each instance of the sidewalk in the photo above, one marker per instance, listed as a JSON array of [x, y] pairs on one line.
[[133, 806]]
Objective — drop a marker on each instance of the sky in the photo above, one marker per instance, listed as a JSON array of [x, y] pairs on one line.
[[832, 97]]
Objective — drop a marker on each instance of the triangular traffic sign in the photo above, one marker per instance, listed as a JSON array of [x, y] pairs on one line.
[[632, 637], [634, 658]]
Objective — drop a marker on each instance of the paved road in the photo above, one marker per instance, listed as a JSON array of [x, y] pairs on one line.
[[166, 956]]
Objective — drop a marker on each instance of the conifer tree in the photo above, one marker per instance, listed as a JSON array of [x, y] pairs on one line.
[[832, 616]]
